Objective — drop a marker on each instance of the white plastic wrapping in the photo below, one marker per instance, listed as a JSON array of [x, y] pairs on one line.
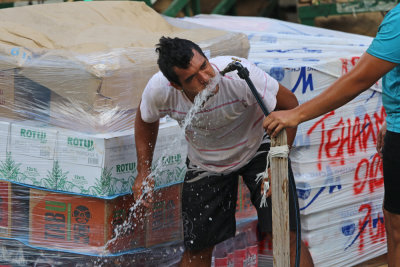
[[88, 92], [71, 78], [84, 65], [338, 173]]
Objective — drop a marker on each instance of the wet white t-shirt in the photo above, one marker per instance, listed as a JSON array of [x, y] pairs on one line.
[[226, 133]]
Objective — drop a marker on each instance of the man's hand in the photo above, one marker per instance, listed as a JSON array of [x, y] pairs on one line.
[[278, 120], [143, 189], [380, 139]]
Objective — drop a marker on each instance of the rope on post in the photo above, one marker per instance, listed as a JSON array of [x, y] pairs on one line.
[[274, 152], [279, 152], [280, 200]]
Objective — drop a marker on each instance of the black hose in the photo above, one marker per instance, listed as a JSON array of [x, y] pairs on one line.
[[292, 184]]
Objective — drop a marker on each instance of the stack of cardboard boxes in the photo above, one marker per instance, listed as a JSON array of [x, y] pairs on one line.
[[72, 190], [89, 73], [5, 209], [338, 173], [69, 89], [102, 165]]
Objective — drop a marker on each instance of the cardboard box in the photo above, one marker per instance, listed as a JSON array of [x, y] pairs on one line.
[[104, 58], [63, 112], [7, 97], [33, 139], [89, 164], [105, 165], [30, 154], [20, 211], [84, 224], [164, 222], [4, 139], [22, 98], [32, 100], [5, 209]]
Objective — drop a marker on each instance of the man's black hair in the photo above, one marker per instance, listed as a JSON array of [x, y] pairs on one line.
[[175, 52]]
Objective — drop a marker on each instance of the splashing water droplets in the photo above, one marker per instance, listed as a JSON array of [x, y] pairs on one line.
[[198, 105], [200, 100]]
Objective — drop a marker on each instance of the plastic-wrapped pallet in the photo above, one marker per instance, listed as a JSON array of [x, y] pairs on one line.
[[71, 77], [87, 74], [85, 225], [338, 173], [84, 65], [335, 160], [100, 165], [354, 228], [98, 230], [71, 191]]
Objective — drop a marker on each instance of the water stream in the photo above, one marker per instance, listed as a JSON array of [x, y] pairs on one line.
[[137, 208]]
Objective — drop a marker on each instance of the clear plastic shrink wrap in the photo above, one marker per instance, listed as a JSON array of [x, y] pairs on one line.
[[84, 66], [67, 163], [71, 78]]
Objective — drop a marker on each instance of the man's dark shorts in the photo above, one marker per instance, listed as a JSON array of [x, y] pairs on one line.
[[391, 171], [209, 203]]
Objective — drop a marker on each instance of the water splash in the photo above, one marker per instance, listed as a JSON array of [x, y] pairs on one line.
[[200, 100], [135, 210]]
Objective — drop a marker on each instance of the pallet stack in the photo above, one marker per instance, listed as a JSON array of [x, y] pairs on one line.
[[338, 173], [69, 90]]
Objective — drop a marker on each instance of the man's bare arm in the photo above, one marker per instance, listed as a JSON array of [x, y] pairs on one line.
[[287, 100], [368, 70], [145, 139]]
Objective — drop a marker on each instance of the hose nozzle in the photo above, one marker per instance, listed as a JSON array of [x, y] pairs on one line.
[[244, 74], [235, 65]]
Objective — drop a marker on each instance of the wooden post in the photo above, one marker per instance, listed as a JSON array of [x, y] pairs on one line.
[[280, 205]]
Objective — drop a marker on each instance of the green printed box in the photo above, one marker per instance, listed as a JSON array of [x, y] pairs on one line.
[[106, 165], [5, 209], [96, 165], [169, 155], [34, 140], [89, 163], [4, 138], [30, 154], [28, 170]]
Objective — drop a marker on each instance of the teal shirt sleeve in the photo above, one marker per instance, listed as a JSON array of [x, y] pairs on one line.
[[386, 44]]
